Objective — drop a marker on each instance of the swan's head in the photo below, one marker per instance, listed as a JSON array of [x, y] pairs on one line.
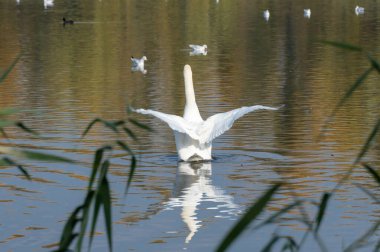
[[187, 69], [144, 58], [205, 47]]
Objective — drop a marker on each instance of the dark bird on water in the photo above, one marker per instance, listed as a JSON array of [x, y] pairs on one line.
[[67, 21]]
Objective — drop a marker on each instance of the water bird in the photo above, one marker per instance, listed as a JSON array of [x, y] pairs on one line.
[[138, 62], [48, 3], [198, 50], [266, 15], [193, 135], [307, 13], [359, 10], [65, 21]]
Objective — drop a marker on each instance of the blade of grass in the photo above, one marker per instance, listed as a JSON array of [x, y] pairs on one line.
[[273, 218], [372, 171], [342, 45], [26, 129], [8, 111], [321, 211], [89, 126], [270, 244], [106, 200], [246, 219], [356, 85], [374, 63], [130, 133], [361, 241], [6, 123], [140, 125], [9, 69], [368, 142], [85, 215], [131, 173], [33, 155], [370, 194], [13, 163], [125, 147], [68, 230]]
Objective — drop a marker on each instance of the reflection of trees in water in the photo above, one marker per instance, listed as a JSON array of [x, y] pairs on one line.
[[193, 186]]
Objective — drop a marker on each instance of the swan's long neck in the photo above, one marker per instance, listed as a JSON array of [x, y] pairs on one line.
[[191, 108]]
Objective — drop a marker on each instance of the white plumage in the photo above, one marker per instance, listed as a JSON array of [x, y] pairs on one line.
[[198, 50], [193, 135], [138, 62]]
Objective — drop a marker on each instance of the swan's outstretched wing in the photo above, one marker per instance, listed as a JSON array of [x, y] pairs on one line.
[[217, 124], [176, 123]]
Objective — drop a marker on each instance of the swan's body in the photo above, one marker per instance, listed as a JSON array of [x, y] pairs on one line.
[[198, 50], [307, 13], [266, 15], [359, 10], [193, 135], [139, 63]]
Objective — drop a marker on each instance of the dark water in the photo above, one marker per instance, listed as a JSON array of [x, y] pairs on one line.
[[69, 75]]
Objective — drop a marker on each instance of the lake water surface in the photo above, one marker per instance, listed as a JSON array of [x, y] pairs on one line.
[[69, 75]]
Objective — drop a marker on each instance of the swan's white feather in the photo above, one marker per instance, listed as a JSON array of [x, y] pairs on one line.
[[175, 122], [219, 123]]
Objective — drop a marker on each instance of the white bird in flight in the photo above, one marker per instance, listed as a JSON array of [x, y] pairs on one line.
[[193, 135]]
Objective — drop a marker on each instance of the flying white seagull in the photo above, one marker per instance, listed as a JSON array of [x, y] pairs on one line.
[[193, 135]]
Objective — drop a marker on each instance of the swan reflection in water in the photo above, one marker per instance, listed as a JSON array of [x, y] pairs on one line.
[[139, 68], [192, 187]]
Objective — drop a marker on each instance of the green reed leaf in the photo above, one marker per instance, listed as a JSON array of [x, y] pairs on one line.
[[9, 69], [6, 123], [96, 164], [68, 234], [13, 163], [130, 133], [374, 63], [140, 125], [106, 201], [89, 126], [125, 147], [355, 86], [8, 111], [97, 204], [273, 218], [26, 129], [246, 219], [290, 245], [367, 144], [131, 173], [372, 171], [342, 45], [33, 155], [84, 220], [321, 211], [270, 244], [363, 240]]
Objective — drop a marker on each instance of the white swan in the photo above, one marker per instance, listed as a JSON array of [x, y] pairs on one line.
[[193, 135], [359, 10], [198, 50], [307, 13], [266, 15], [138, 62]]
